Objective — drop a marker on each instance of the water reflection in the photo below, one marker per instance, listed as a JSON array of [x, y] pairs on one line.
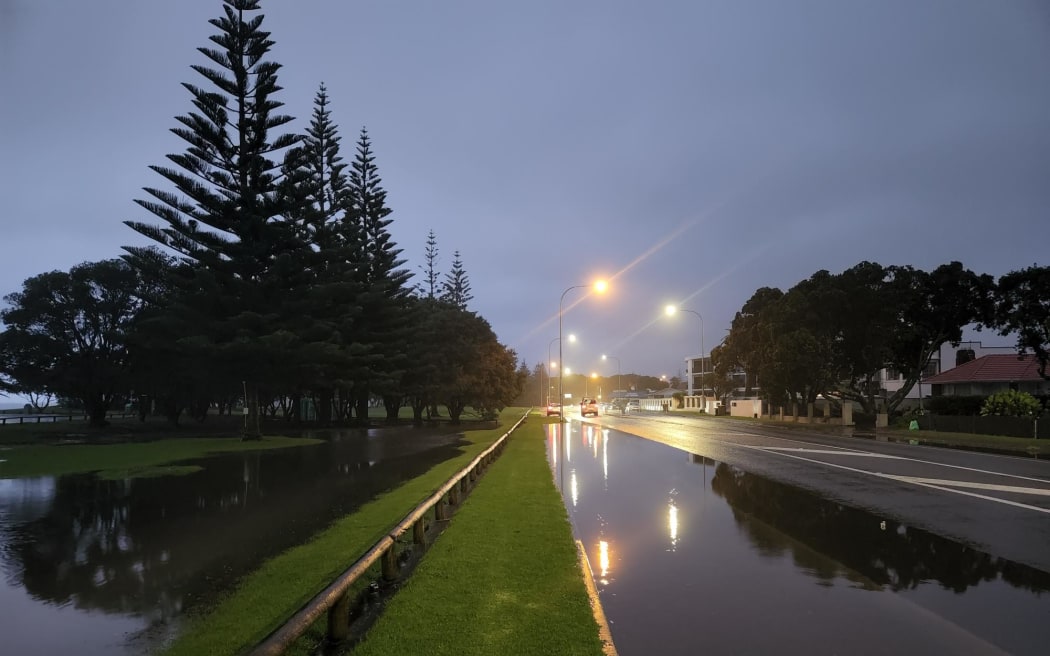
[[675, 561], [885, 552], [155, 547], [672, 523]]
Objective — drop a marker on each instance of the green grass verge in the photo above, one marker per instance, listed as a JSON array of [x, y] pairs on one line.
[[971, 440], [117, 461], [264, 599], [503, 578]]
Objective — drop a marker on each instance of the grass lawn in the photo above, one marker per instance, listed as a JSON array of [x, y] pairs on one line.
[[503, 578], [130, 460], [264, 599]]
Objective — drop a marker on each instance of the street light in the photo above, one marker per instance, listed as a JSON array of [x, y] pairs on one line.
[[599, 287], [611, 357], [552, 364], [670, 310]]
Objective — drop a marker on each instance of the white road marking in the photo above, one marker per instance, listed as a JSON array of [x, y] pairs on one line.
[[925, 462], [975, 486], [834, 452], [903, 479]]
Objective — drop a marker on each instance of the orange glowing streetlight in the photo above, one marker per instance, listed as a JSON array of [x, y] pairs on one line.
[[600, 287]]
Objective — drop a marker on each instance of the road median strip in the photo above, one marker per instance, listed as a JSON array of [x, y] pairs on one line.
[[504, 578]]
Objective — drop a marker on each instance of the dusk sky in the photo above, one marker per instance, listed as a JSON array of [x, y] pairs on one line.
[[690, 151]]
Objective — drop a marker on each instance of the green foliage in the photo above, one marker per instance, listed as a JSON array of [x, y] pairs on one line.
[[66, 334], [832, 334], [1024, 309], [456, 287], [240, 259], [679, 399], [1011, 403]]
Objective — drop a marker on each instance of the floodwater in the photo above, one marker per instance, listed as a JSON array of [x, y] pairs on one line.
[[695, 556], [109, 567]]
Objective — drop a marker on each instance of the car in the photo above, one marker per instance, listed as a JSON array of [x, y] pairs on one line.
[[633, 405], [589, 407], [553, 409]]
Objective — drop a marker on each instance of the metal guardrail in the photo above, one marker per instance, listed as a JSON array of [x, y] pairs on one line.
[[54, 418], [335, 599]]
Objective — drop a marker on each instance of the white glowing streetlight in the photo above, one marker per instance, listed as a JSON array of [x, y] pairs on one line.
[[612, 357], [670, 311]]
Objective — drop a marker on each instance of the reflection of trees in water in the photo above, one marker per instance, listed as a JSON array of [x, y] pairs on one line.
[[898, 556], [155, 546]]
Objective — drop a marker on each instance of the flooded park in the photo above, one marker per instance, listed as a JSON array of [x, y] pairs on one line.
[[110, 567]]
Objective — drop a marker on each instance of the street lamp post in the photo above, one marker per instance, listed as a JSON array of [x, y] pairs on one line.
[[670, 310], [549, 365], [611, 357], [598, 287]]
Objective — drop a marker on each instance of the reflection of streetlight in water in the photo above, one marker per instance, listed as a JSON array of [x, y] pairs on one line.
[[603, 560], [672, 524], [605, 457], [574, 488]]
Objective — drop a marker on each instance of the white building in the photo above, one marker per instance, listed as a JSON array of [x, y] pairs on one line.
[[947, 358]]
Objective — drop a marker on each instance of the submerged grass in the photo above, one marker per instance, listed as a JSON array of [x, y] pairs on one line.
[[117, 461], [271, 594], [503, 578]]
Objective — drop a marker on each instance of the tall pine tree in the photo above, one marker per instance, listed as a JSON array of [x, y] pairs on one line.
[[319, 189], [225, 217], [456, 287], [430, 259], [381, 336]]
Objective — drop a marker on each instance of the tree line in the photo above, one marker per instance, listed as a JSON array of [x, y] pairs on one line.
[[831, 334], [272, 277]]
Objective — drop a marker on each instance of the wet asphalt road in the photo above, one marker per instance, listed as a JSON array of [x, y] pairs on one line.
[[997, 504]]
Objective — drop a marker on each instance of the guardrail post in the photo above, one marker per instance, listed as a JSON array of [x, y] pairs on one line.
[[390, 563], [339, 619], [463, 484], [453, 495], [419, 532], [439, 510]]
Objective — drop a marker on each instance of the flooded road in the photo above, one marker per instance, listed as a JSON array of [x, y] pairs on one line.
[[109, 567], [693, 555]]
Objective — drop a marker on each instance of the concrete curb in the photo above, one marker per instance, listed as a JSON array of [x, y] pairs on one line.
[[608, 648]]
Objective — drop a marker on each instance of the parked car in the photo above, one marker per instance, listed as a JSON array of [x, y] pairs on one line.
[[634, 405], [589, 407], [553, 409]]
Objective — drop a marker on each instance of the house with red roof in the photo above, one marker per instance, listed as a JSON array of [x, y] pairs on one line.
[[990, 374]]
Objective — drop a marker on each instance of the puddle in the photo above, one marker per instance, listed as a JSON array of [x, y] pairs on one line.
[[693, 555]]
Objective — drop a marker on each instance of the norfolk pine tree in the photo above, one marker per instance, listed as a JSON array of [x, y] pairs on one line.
[[225, 217], [456, 287], [381, 339], [320, 187]]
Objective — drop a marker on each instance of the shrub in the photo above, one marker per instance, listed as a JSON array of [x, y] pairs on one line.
[[1011, 403]]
